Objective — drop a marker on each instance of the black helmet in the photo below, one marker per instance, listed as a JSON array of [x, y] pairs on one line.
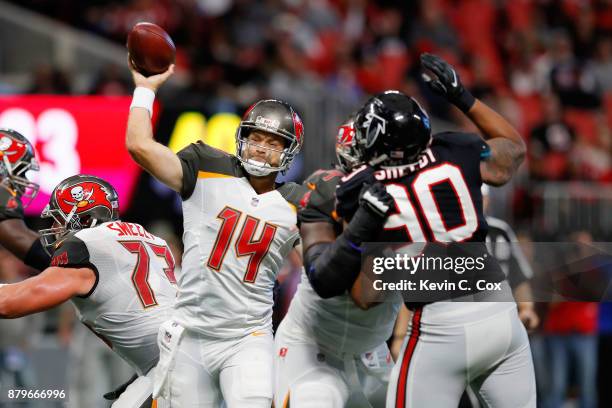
[[392, 129], [17, 159], [278, 118], [79, 202], [347, 151]]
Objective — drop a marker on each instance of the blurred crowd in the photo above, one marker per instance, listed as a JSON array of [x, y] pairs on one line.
[[545, 64]]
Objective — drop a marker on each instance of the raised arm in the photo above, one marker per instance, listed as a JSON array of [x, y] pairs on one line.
[[154, 157], [507, 146], [52, 287]]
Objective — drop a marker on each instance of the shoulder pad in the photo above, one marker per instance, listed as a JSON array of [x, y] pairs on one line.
[[70, 251], [464, 140], [201, 158], [293, 192]]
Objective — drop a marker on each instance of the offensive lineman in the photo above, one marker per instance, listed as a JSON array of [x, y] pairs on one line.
[[119, 277], [435, 184], [238, 229], [329, 352], [16, 193]]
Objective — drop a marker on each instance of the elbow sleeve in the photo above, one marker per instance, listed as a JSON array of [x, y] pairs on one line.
[[332, 267]]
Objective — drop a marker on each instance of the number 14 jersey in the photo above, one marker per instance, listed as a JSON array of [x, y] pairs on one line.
[[235, 243]]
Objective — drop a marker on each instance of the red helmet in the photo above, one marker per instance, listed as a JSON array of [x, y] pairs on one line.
[[79, 202], [18, 157], [347, 152]]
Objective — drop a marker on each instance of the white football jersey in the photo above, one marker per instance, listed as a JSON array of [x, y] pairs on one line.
[[337, 324], [135, 288], [235, 242]]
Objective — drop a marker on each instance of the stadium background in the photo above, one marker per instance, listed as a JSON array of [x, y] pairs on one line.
[[546, 65]]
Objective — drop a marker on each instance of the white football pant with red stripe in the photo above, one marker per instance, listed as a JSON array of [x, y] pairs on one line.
[[308, 376], [450, 345]]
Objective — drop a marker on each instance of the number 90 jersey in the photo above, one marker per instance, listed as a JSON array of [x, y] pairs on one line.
[[235, 242], [438, 198], [135, 287]]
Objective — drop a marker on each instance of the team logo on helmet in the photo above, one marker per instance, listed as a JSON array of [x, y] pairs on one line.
[[267, 123], [12, 149], [83, 196], [346, 135], [375, 126], [298, 126]]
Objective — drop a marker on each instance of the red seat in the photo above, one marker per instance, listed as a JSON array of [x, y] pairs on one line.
[[583, 122], [531, 112]]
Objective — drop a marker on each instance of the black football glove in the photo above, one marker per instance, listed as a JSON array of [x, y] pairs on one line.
[[376, 199], [349, 191], [447, 84]]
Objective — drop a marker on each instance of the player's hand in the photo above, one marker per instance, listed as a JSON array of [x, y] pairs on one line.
[[528, 316], [447, 82], [154, 81], [377, 199], [349, 191]]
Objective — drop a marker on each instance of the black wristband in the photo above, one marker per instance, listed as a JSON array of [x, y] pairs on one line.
[[464, 101], [37, 257]]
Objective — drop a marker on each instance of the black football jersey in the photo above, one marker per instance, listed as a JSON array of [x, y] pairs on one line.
[[438, 199], [318, 204], [10, 204]]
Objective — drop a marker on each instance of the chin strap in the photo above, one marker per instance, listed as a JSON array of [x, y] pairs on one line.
[[257, 168]]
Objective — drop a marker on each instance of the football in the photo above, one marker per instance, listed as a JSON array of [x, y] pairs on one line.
[[151, 49]]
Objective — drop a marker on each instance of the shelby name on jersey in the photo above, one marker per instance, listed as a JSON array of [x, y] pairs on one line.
[[134, 290], [235, 243], [337, 323], [438, 198]]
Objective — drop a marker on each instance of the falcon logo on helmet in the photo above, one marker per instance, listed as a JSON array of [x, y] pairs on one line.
[[379, 125], [17, 158], [274, 117], [79, 202], [392, 129]]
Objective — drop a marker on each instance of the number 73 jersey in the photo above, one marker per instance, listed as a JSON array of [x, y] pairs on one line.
[[135, 287], [235, 242]]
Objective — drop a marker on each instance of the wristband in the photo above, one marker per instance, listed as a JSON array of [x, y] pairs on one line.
[[143, 98], [464, 101], [37, 257]]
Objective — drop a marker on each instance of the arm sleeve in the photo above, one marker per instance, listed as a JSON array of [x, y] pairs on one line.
[[201, 157], [37, 257], [333, 267]]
